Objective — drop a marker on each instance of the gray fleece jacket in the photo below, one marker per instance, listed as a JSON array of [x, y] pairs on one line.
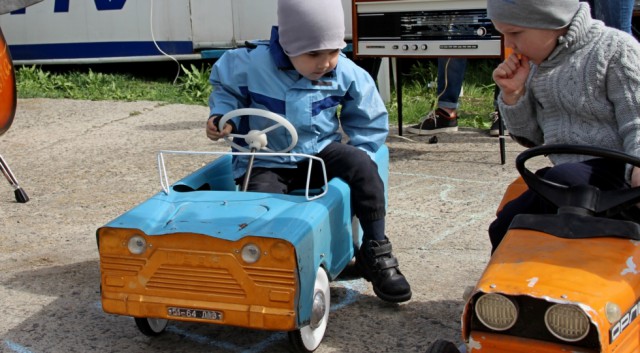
[[586, 92]]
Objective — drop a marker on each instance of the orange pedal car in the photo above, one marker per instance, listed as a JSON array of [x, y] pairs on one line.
[[565, 282]]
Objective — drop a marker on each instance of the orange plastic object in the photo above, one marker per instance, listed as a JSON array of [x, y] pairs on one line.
[[515, 189], [197, 272], [7, 87], [507, 52], [495, 343], [586, 272]]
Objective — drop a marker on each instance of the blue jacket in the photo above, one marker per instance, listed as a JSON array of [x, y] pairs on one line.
[[263, 77]]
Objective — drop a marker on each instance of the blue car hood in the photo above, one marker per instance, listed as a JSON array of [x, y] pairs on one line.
[[227, 214]]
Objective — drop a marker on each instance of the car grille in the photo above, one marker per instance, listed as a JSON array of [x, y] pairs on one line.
[[200, 281], [121, 266], [272, 277], [216, 281]]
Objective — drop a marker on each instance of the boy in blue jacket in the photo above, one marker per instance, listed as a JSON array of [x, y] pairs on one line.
[[302, 75]]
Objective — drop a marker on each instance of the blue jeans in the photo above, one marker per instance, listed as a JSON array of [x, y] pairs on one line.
[[614, 13], [450, 81]]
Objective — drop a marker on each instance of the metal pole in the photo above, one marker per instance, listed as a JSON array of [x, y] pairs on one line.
[[247, 175]]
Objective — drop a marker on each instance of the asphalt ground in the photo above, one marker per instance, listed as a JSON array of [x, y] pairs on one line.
[[83, 163]]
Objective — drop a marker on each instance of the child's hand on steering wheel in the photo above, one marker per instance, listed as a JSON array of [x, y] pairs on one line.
[[212, 129]]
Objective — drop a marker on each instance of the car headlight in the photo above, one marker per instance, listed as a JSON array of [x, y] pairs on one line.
[[250, 253], [496, 311], [137, 245], [613, 312], [281, 251], [567, 322]]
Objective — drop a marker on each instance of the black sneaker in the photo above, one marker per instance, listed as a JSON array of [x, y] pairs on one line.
[[380, 267], [494, 130], [436, 121]]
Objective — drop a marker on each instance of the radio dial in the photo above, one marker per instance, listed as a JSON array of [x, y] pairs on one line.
[[414, 47], [481, 31], [424, 47], [405, 47]]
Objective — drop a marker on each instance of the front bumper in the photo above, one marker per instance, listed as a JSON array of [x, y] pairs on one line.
[[487, 342], [250, 316]]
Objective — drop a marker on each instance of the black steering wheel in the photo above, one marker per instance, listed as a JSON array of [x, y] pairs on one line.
[[582, 199]]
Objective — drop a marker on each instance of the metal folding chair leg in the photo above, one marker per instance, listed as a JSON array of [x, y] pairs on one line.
[[21, 195]]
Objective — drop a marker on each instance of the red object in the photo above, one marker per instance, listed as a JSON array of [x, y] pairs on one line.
[[7, 87]]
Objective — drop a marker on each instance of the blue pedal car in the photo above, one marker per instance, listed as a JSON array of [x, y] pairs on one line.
[[203, 251]]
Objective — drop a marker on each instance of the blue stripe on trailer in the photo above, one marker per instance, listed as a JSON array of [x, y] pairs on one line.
[[97, 50], [212, 53]]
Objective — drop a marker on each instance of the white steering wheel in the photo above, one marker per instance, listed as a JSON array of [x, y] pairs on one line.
[[257, 139]]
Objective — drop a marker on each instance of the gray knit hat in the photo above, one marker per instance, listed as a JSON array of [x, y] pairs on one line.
[[308, 25], [543, 14]]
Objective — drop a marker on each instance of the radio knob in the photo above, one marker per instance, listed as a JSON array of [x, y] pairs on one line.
[[424, 47], [414, 47], [405, 47], [481, 31]]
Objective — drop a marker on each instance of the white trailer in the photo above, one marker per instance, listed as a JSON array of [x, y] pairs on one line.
[[94, 31]]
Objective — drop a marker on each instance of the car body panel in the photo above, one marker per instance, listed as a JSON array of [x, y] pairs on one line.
[[196, 272], [201, 224], [515, 189], [586, 272]]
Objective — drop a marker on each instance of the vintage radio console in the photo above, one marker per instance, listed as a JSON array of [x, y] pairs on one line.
[[424, 28]]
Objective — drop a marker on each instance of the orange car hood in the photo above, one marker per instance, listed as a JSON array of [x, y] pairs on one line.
[[586, 272]]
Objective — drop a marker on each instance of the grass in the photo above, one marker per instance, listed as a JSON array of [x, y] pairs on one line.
[[105, 83], [420, 94], [155, 82]]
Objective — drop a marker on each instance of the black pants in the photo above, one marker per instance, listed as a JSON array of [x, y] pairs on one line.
[[346, 162], [598, 172]]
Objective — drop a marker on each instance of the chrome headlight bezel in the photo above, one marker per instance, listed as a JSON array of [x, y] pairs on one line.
[[567, 322], [250, 253], [137, 245], [496, 311]]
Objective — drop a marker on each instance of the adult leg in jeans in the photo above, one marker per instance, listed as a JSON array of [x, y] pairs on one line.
[[599, 172], [615, 13], [450, 77], [444, 118]]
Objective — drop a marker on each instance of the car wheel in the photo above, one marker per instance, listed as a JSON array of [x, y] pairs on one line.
[[442, 346], [308, 338], [151, 327], [355, 233]]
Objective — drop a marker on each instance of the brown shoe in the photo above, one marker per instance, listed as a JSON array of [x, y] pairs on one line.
[[436, 121]]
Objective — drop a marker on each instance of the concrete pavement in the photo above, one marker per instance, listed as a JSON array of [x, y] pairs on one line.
[[83, 163]]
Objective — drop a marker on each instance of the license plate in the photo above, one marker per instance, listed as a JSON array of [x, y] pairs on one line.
[[195, 313]]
